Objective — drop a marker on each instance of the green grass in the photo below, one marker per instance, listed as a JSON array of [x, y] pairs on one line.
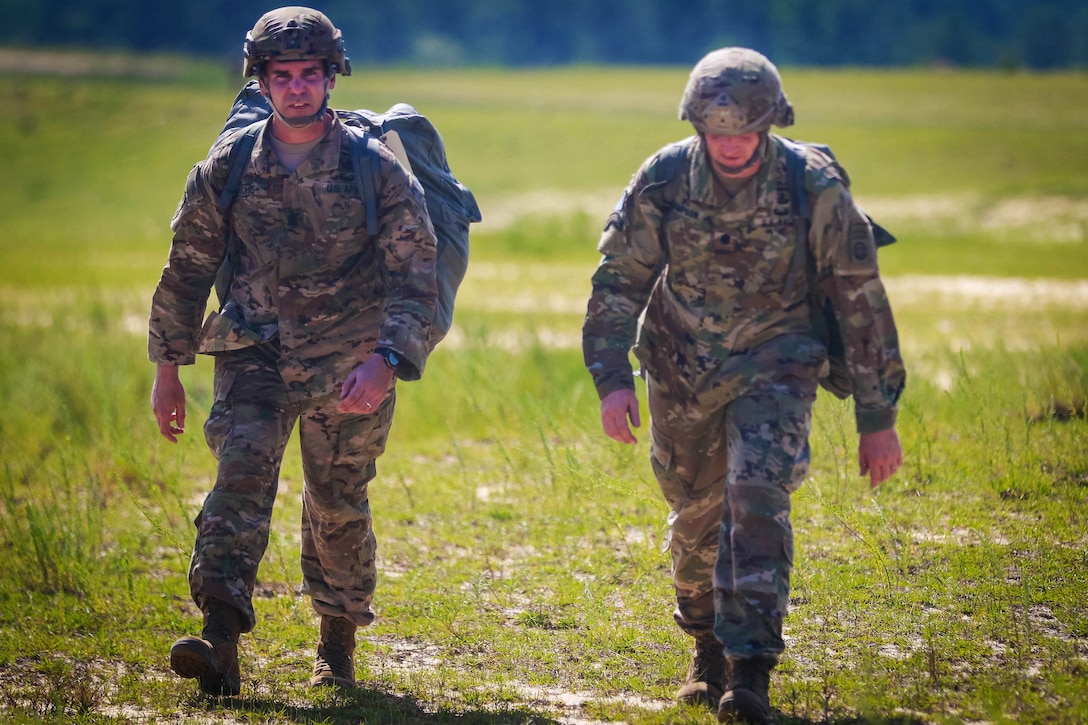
[[522, 575]]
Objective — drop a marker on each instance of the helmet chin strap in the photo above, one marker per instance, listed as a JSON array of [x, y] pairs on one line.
[[754, 159], [306, 120]]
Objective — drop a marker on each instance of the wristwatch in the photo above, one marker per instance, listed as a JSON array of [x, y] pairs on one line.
[[391, 358]]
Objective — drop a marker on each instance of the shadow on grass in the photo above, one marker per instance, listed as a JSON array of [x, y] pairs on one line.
[[364, 705], [374, 706], [783, 719]]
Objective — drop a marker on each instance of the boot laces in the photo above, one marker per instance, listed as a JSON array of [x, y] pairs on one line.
[[709, 660], [336, 648], [750, 674], [340, 635], [221, 625]]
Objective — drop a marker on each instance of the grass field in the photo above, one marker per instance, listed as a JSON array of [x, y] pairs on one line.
[[522, 577]]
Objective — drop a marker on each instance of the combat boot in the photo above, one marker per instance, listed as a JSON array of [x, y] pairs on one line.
[[747, 691], [706, 675], [335, 652], [212, 658]]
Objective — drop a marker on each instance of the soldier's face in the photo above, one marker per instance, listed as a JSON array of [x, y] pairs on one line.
[[297, 87], [729, 154]]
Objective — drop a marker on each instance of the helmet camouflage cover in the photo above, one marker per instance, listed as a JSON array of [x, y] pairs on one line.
[[735, 91], [294, 33]]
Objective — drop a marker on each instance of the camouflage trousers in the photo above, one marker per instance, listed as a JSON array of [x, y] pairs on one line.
[[727, 474], [247, 430]]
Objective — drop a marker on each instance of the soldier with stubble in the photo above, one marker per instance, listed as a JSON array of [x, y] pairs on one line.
[[321, 317]]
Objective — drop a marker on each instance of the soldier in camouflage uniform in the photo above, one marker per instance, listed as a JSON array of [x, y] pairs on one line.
[[321, 319], [713, 260]]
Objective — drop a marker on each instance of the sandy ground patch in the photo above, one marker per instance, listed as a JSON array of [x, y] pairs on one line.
[[993, 293], [561, 291], [75, 63], [503, 211], [1043, 218], [405, 658], [1036, 219], [558, 288]]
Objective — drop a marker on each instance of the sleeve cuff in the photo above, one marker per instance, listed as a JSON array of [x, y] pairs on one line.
[[611, 383], [411, 351], [873, 421]]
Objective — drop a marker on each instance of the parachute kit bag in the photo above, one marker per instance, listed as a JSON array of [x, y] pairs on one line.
[[824, 322], [418, 146]]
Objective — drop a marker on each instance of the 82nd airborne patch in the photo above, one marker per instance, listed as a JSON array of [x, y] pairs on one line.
[[861, 242]]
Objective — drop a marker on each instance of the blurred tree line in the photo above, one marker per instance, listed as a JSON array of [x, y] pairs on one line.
[[1038, 34]]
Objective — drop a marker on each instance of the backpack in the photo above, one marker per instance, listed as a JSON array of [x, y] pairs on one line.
[[418, 146], [673, 158]]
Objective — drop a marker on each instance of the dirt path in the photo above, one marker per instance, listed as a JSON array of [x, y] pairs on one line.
[[1044, 218]]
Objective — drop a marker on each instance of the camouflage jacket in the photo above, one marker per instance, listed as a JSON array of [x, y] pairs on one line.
[[309, 278], [722, 287]]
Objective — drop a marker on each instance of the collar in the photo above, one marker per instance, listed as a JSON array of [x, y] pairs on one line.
[[325, 158], [701, 182]]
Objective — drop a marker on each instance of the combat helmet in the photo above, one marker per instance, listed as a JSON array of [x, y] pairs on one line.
[[735, 91], [294, 33]]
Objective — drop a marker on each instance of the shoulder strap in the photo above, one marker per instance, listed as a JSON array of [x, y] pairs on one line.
[[365, 162], [795, 171], [824, 319], [671, 161], [802, 209], [824, 322], [237, 163], [795, 175]]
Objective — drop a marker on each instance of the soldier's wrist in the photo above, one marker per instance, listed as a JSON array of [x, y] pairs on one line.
[[874, 421], [390, 357], [606, 387]]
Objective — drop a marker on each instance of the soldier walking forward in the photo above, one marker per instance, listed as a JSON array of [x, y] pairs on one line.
[[711, 256], [320, 320]]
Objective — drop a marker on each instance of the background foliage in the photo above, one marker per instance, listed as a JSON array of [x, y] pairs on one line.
[[1040, 34]]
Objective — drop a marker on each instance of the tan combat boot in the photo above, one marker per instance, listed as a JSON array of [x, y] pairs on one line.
[[747, 691], [212, 658], [706, 676], [335, 651]]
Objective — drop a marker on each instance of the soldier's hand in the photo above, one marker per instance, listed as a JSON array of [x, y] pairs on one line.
[[366, 386], [879, 455], [168, 402], [616, 408]]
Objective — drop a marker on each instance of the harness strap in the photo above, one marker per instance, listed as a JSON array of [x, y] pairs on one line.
[[237, 163], [802, 210], [365, 162]]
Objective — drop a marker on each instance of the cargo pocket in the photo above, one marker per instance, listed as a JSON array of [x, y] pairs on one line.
[[661, 461], [217, 429], [362, 438], [795, 424]]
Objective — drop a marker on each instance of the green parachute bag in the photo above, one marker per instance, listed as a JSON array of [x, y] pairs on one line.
[[419, 147]]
